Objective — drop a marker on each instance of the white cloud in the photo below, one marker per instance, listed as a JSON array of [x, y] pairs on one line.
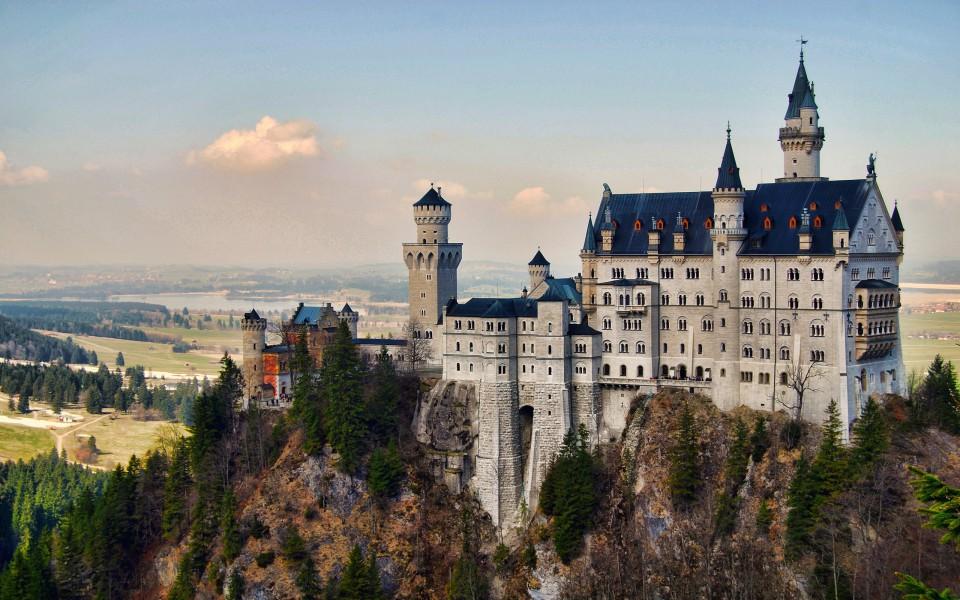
[[10, 176], [268, 145], [942, 198], [536, 202], [91, 167]]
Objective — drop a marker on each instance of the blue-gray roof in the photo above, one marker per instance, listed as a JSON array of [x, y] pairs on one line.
[[728, 175], [780, 201], [895, 218], [252, 315], [564, 288], [309, 315], [432, 198], [539, 260], [493, 307], [589, 241], [581, 329], [379, 342], [801, 85], [876, 284], [840, 221], [808, 100], [278, 349]]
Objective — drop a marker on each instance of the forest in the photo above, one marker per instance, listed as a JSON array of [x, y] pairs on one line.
[[19, 342]]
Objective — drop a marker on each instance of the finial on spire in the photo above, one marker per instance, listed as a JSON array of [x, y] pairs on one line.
[[802, 43], [728, 130], [431, 185], [439, 189]]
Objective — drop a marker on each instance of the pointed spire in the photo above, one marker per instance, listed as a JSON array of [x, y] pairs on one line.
[[840, 220], [589, 240], [538, 260], [801, 85], [728, 175], [808, 101], [897, 222]]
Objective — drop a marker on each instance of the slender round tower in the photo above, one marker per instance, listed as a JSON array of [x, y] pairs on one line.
[[254, 341]]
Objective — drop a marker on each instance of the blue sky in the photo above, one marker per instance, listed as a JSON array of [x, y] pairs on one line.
[[523, 110]]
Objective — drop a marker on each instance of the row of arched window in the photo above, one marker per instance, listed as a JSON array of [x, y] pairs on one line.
[[877, 328]]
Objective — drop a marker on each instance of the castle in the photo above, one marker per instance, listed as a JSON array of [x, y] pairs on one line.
[[745, 296], [266, 367]]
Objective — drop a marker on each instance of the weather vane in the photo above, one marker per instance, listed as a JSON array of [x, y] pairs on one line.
[[802, 43]]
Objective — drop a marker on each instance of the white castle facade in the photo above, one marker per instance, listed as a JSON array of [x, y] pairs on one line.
[[725, 292]]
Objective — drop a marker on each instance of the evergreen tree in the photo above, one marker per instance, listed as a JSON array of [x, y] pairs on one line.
[[175, 493], [382, 400], [684, 460], [568, 493], [341, 378], [119, 361], [308, 582], [802, 502], [293, 547], [228, 527], [23, 403], [355, 582], [829, 468], [374, 589], [386, 472], [939, 402], [871, 438], [759, 439], [306, 397], [943, 512]]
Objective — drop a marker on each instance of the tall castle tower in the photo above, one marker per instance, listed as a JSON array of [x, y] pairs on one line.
[[254, 341], [802, 137], [432, 264], [728, 233]]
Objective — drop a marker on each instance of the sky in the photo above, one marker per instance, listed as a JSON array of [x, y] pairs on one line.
[[298, 134]]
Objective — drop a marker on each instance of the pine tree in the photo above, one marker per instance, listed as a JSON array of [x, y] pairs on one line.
[[568, 493], [374, 589], [119, 361], [341, 378], [943, 512], [382, 400], [871, 438], [386, 472], [308, 582], [759, 439], [175, 493], [293, 547], [939, 397], [228, 527], [802, 503], [306, 397], [684, 458], [829, 468], [353, 581]]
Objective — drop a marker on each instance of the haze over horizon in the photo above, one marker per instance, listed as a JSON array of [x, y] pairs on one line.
[[300, 135]]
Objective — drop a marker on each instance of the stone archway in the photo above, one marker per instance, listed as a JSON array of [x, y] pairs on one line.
[[681, 371]]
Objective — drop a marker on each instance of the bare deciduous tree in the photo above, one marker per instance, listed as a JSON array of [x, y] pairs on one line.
[[419, 349], [801, 378]]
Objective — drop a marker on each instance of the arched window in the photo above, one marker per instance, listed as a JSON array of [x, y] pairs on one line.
[[817, 222], [606, 370], [686, 223], [813, 206], [792, 223], [784, 353], [659, 223], [624, 347], [637, 225], [641, 348], [623, 370], [708, 224], [607, 346], [607, 298], [640, 371], [764, 207], [767, 223]]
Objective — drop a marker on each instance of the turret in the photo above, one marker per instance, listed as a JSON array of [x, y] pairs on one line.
[[728, 195], [801, 139], [432, 216], [351, 317], [589, 239], [254, 331], [539, 269], [653, 238], [841, 231]]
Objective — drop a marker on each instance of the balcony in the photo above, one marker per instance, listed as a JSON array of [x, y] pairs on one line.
[[635, 309], [790, 132], [873, 346]]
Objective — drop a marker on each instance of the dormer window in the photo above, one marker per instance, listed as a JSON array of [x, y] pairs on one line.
[[817, 222], [793, 223], [764, 207], [659, 223], [637, 225], [767, 224], [686, 223], [708, 224], [813, 206]]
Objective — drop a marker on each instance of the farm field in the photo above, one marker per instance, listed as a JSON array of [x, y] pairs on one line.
[[18, 442], [155, 358], [212, 340], [118, 439], [919, 352]]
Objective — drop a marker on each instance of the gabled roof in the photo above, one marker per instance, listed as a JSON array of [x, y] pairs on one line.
[[539, 260], [801, 85], [431, 198], [581, 329], [346, 310], [565, 288], [728, 175], [252, 315], [781, 201], [895, 218], [590, 240]]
